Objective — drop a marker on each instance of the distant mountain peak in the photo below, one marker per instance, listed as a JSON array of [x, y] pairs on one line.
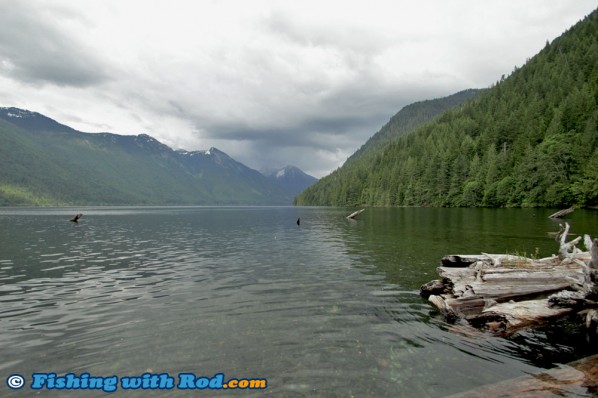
[[287, 170], [292, 179], [145, 138], [14, 110], [17, 113], [278, 172], [214, 151], [33, 121], [23, 114]]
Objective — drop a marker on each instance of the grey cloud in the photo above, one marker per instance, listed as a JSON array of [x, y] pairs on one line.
[[33, 49], [280, 88], [268, 155], [312, 131], [316, 146]]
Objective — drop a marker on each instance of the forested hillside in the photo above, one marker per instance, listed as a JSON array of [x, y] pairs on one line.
[[409, 118], [45, 163], [530, 140]]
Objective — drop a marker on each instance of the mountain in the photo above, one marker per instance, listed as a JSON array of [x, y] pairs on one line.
[[332, 190], [529, 140], [43, 162], [292, 179], [411, 117]]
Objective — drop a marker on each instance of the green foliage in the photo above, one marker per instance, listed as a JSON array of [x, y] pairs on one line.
[[55, 165], [411, 117], [15, 195], [530, 140]]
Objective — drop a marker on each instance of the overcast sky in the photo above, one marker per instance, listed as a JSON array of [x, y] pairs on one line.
[[270, 83]]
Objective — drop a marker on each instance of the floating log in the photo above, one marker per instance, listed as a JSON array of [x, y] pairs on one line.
[[441, 304], [355, 213], [504, 293], [466, 260], [562, 213], [503, 284], [434, 287], [467, 306], [486, 294], [525, 314]]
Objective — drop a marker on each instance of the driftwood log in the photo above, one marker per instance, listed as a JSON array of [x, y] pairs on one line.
[[506, 293], [562, 213], [355, 213]]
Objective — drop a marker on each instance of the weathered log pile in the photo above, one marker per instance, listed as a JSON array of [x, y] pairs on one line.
[[506, 293]]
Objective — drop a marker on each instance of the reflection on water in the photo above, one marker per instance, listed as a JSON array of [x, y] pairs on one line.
[[328, 308]]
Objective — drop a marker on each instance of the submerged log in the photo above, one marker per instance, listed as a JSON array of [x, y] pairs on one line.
[[355, 213], [562, 213]]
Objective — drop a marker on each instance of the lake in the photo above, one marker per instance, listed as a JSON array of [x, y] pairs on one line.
[[328, 308]]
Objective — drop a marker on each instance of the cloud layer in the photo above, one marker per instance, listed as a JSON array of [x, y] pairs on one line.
[[269, 82]]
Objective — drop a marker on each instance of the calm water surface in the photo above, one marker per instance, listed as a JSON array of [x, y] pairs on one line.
[[329, 308]]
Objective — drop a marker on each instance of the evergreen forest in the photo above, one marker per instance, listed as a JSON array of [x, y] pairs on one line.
[[530, 140]]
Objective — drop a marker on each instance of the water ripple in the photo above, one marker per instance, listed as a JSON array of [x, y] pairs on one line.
[[325, 309]]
